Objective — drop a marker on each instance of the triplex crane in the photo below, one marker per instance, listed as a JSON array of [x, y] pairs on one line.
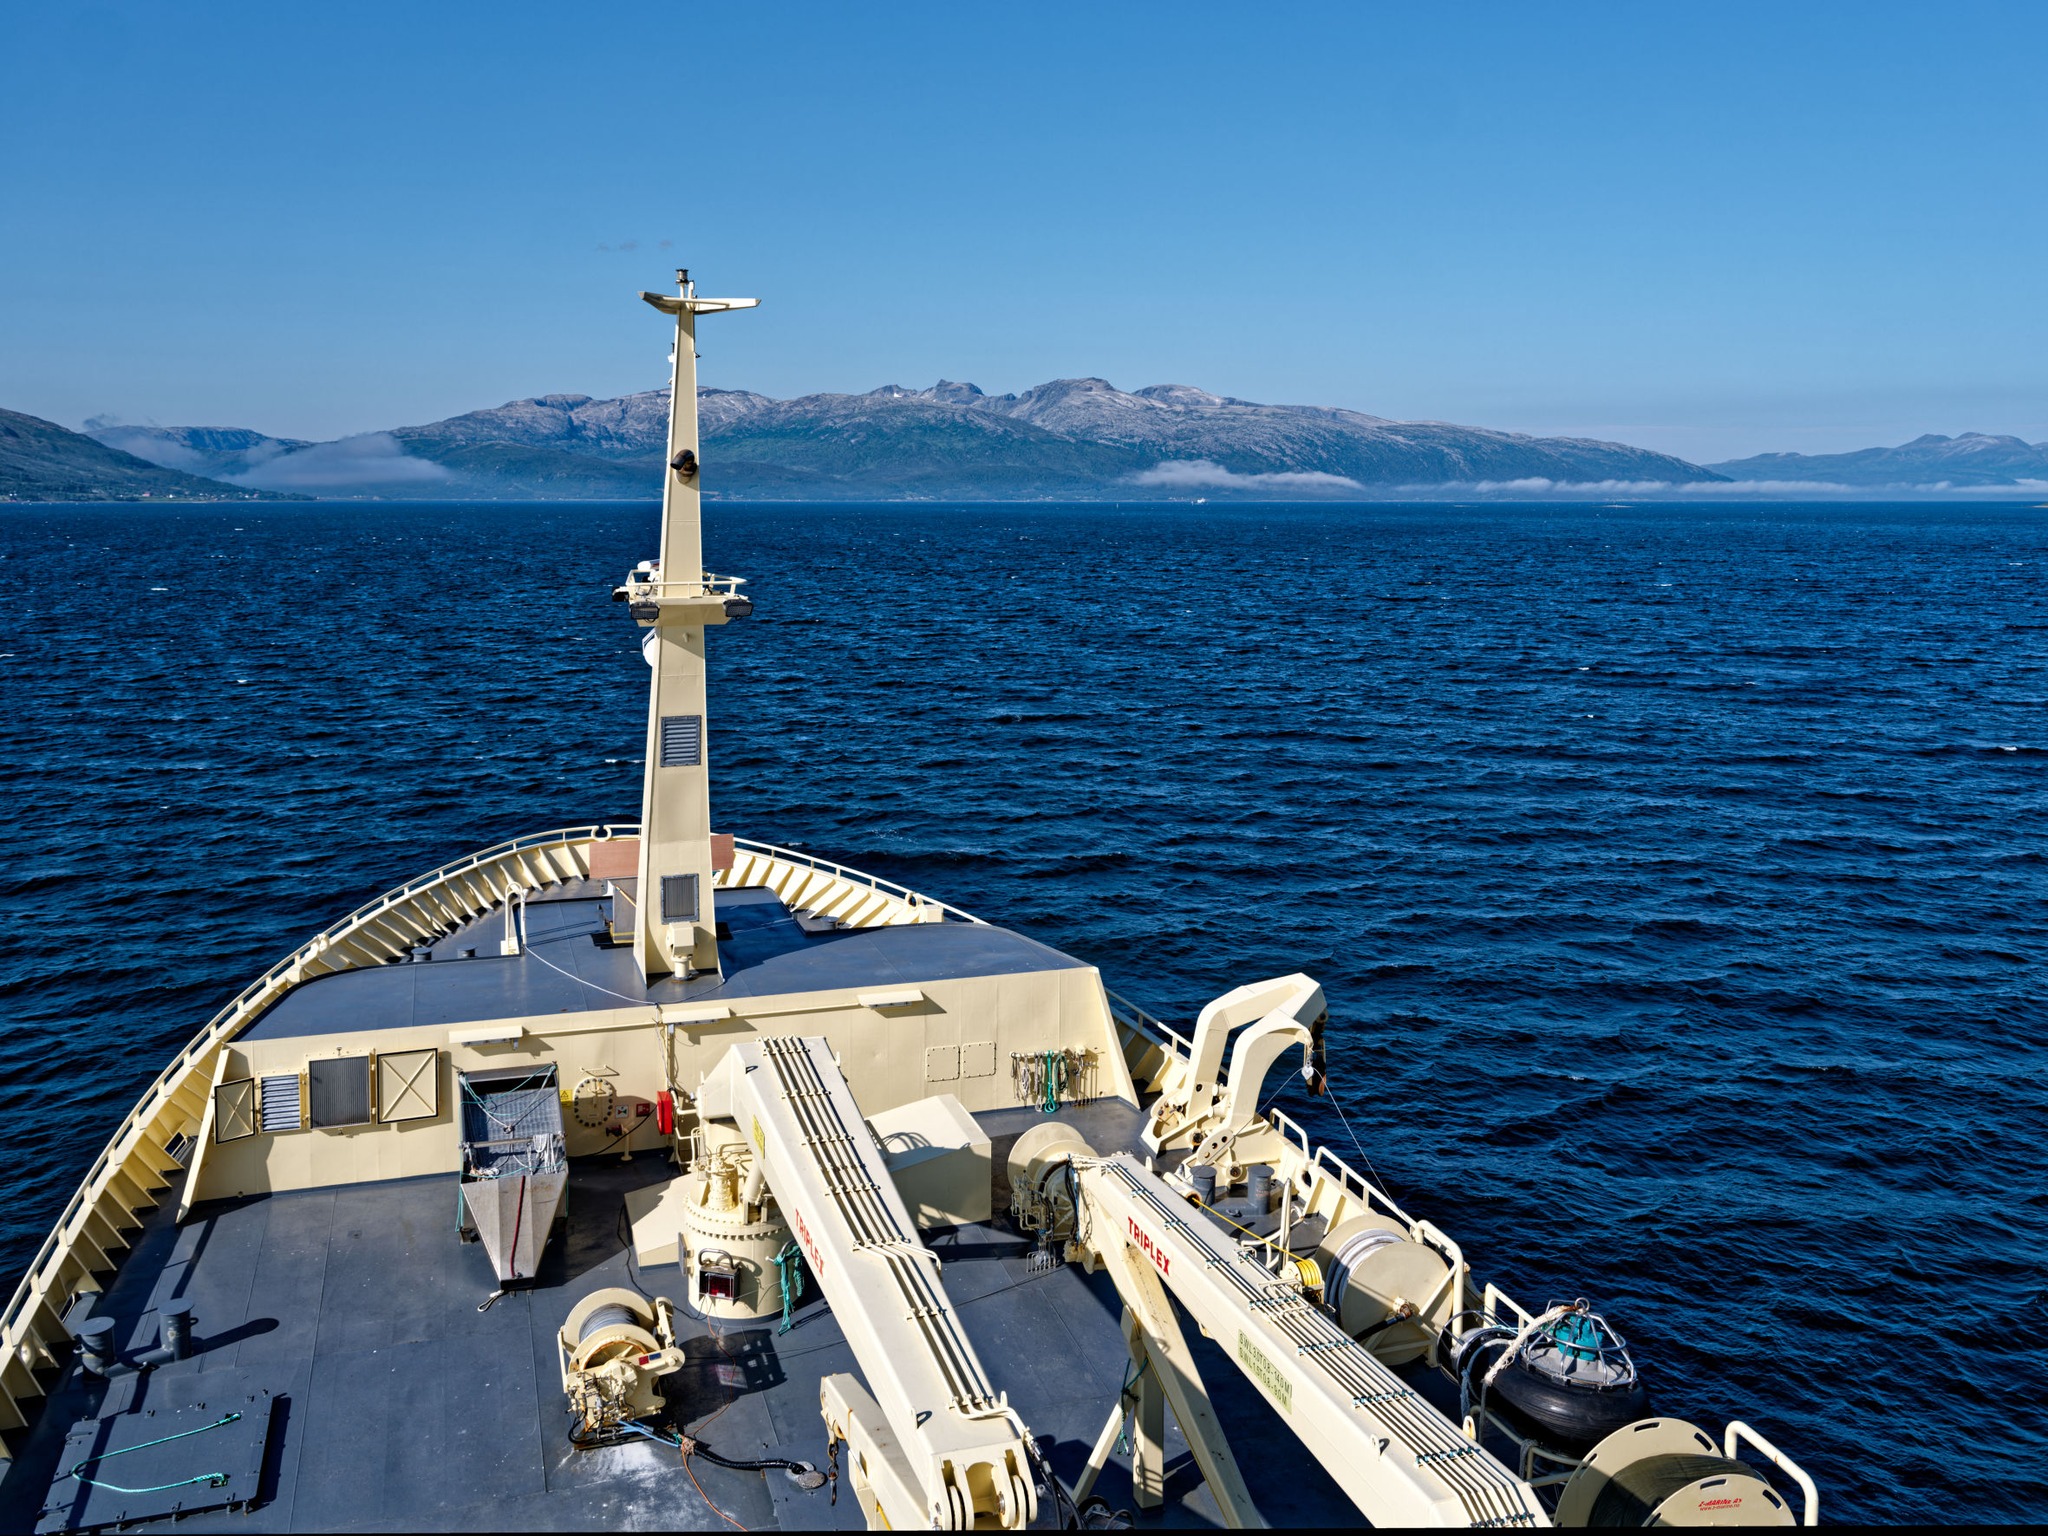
[[1317, 1303], [935, 1445]]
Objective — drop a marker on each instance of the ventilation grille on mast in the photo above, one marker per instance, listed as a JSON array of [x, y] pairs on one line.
[[682, 741], [679, 898]]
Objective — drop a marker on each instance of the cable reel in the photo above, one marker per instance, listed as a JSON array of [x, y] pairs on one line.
[[1667, 1472], [615, 1347], [1039, 1201]]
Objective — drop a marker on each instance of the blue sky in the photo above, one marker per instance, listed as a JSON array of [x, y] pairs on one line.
[[1711, 229]]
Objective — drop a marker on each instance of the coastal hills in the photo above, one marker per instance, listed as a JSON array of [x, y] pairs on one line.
[[1932, 462], [1072, 438], [41, 461]]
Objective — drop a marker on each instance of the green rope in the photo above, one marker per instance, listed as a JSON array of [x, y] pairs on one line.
[[790, 1272], [1123, 1402], [1055, 1080], [211, 1479]]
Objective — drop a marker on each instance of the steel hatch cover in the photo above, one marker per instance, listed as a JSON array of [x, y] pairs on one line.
[[143, 1463]]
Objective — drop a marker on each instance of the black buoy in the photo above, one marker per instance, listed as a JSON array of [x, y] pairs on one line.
[[1568, 1385], [1568, 1415]]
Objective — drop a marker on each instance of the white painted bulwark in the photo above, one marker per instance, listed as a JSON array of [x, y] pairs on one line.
[[487, 1034]]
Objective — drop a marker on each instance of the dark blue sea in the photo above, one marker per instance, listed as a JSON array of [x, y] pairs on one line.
[[1676, 875]]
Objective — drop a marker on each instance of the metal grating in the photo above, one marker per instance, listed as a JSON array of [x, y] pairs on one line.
[[682, 741], [512, 1123], [679, 898], [280, 1102], [338, 1090]]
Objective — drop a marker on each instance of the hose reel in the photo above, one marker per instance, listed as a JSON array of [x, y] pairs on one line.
[[1667, 1472]]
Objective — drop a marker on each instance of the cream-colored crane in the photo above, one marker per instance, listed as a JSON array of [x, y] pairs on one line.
[[1401, 1462], [1397, 1459], [935, 1445], [1318, 1336]]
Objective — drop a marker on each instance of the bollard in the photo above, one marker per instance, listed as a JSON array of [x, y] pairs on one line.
[[1258, 1187], [176, 1336], [96, 1350]]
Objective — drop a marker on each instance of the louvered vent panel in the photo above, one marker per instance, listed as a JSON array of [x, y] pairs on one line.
[[679, 898], [280, 1109], [338, 1090], [682, 741]]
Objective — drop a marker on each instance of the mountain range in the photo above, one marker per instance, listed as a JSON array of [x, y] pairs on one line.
[[1070, 438]]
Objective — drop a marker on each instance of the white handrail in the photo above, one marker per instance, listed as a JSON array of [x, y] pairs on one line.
[[1809, 1511], [1130, 1013], [860, 877]]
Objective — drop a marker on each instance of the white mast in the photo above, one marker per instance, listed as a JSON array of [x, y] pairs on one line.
[[674, 932]]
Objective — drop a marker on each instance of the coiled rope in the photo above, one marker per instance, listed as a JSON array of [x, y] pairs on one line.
[[1055, 1080], [792, 1276]]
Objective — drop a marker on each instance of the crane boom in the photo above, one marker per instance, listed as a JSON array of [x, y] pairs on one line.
[[1396, 1457], [936, 1444]]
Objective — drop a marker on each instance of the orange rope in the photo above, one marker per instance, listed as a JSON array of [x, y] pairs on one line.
[[718, 1341], [728, 1519]]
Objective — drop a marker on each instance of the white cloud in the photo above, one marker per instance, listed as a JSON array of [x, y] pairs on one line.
[[1202, 474], [144, 443], [1537, 486], [352, 463]]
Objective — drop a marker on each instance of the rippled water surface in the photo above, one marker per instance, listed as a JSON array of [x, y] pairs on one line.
[[1676, 876]]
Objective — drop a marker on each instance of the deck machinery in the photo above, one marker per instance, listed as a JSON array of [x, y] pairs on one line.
[[689, 1090]]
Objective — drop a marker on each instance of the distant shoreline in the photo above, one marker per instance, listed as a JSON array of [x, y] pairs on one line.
[[1733, 496]]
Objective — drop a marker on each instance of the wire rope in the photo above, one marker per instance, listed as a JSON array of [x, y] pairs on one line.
[[580, 981], [1338, 1104]]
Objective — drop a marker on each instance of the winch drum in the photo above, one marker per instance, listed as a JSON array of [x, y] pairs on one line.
[[1370, 1266], [607, 1324]]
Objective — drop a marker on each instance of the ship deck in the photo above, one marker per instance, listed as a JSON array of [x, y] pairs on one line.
[[405, 1408], [763, 951]]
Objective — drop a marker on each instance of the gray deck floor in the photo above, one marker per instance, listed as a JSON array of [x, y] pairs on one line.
[[407, 1409], [766, 953]]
